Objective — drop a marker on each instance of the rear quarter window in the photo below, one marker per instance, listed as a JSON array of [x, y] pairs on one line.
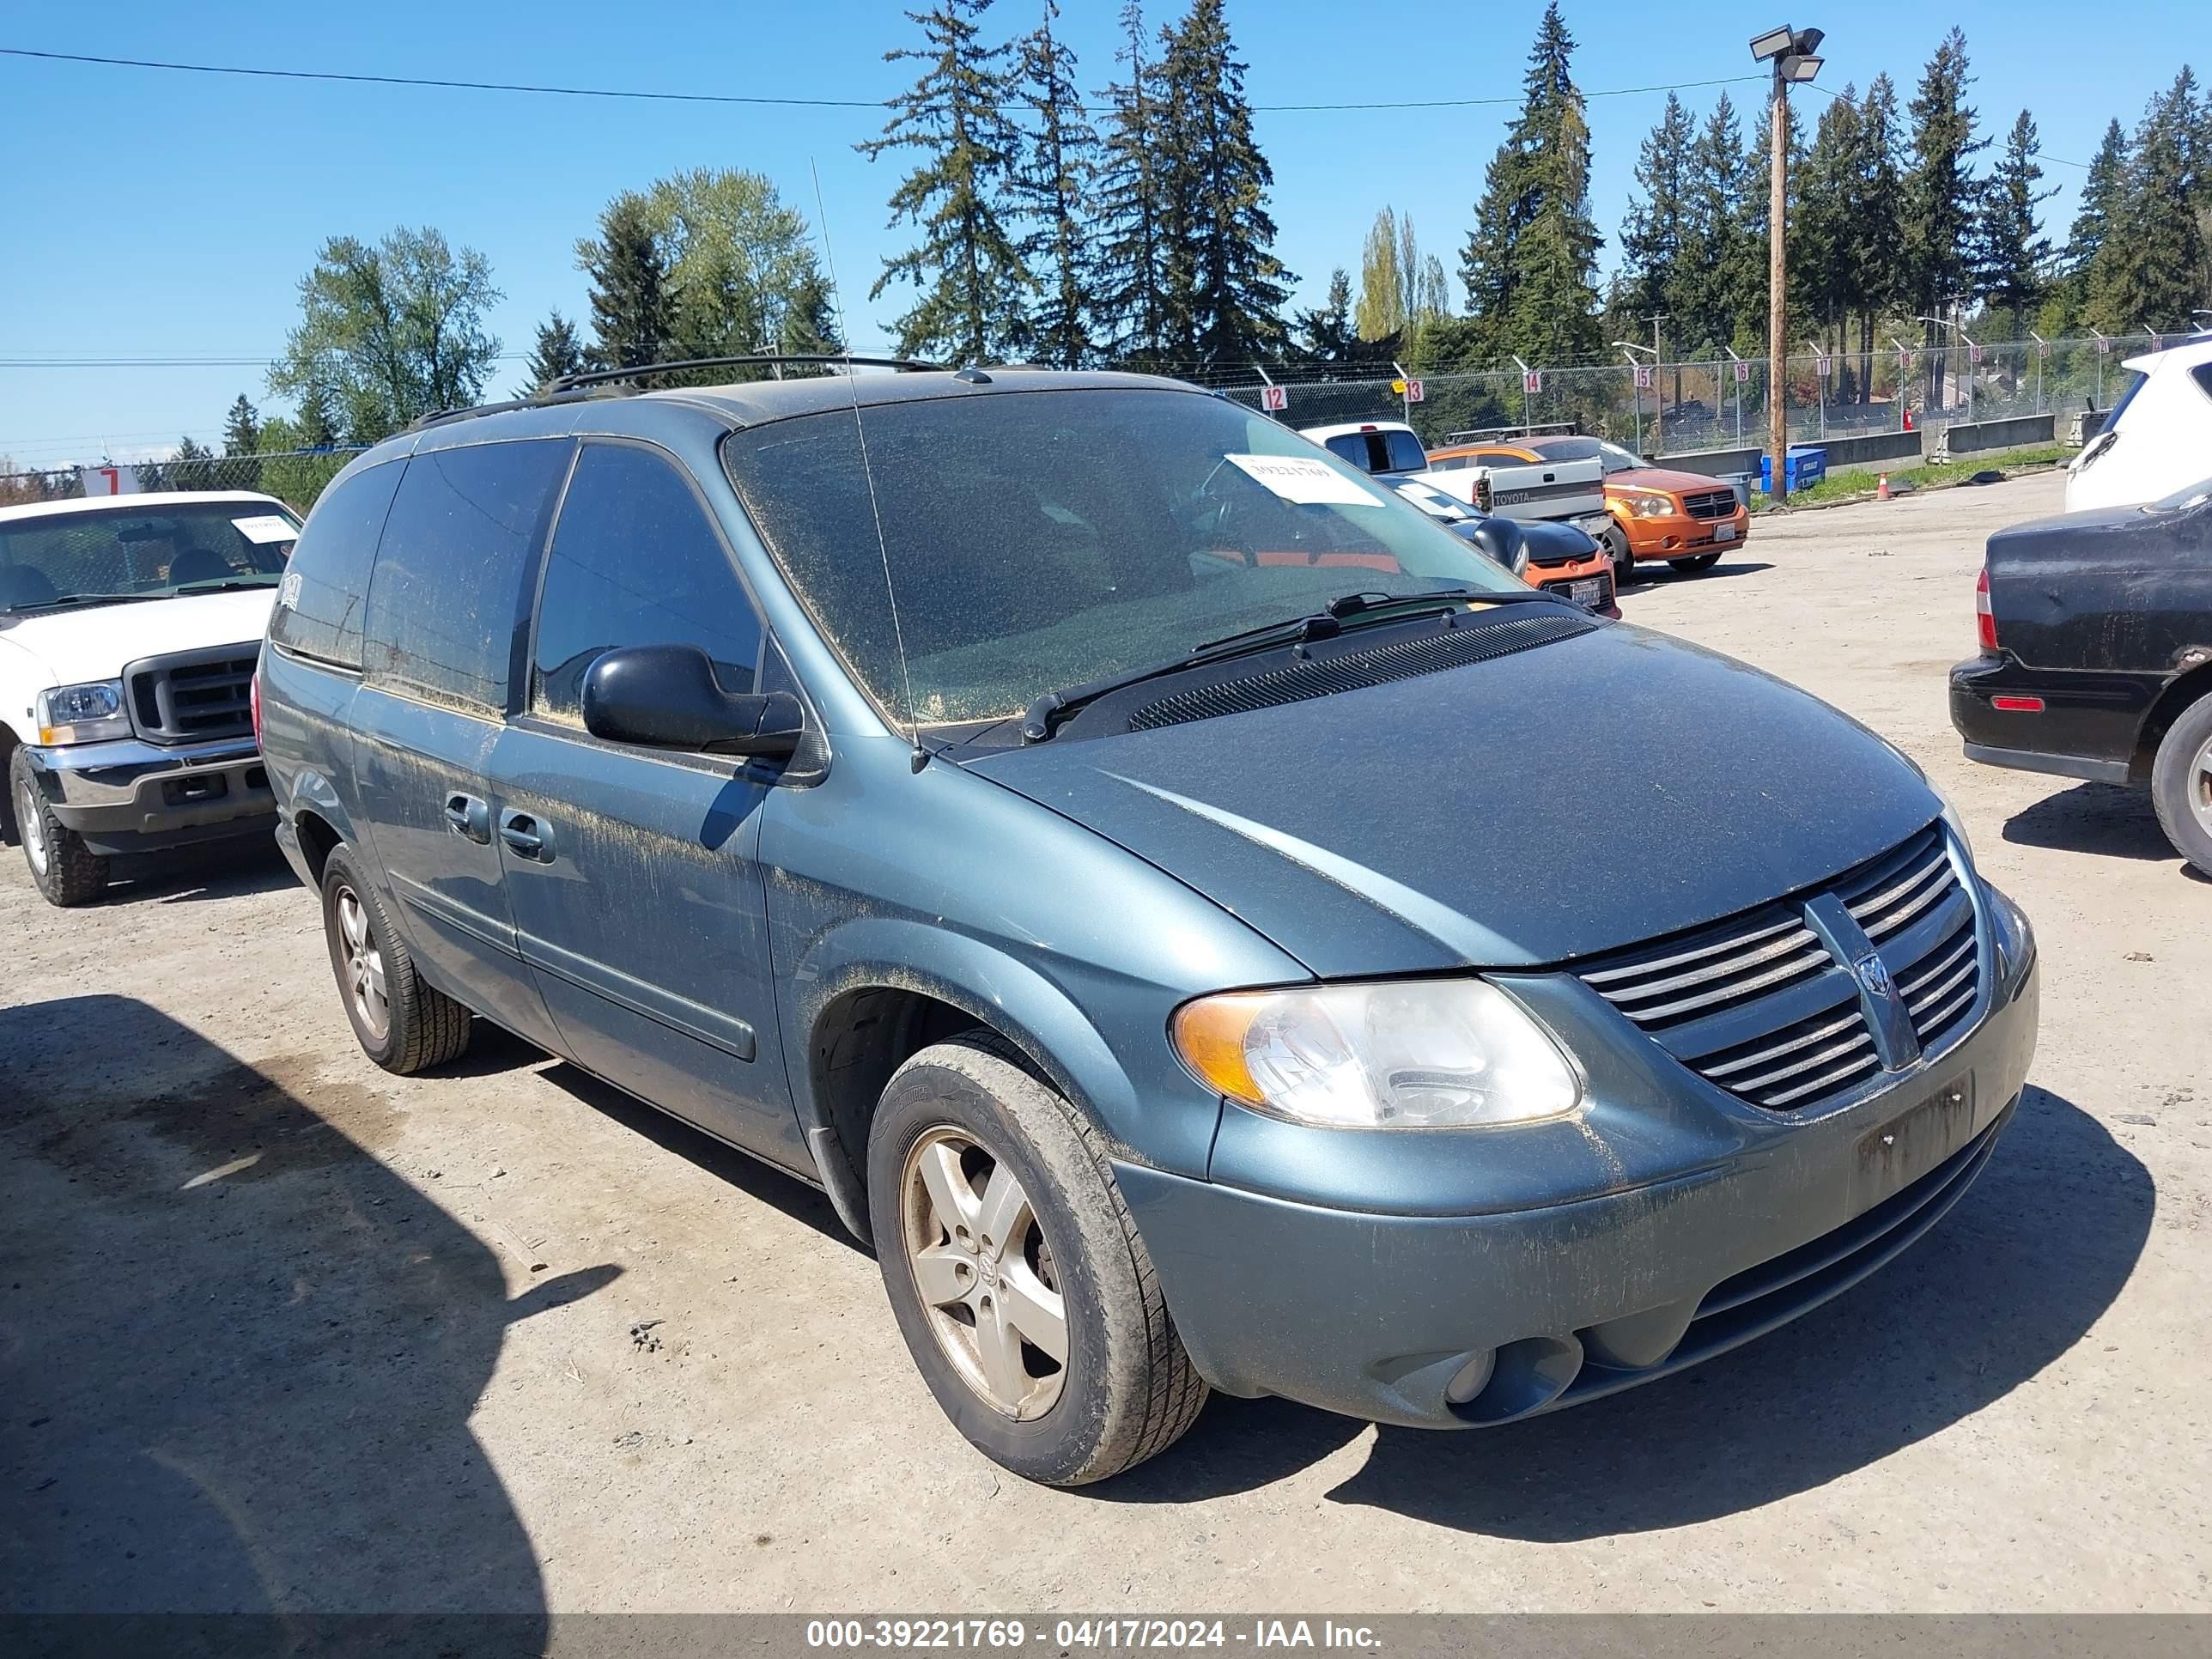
[[445, 612], [325, 590]]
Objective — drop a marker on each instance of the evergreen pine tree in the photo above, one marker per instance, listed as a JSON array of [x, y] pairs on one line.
[[318, 427], [1823, 275], [1053, 185], [1940, 194], [1224, 290], [1708, 298], [2102, 192], [241, 428], [1132, 264], [2151, 268], [1651, 277], [1877, 217], [631, 304], [973, 285], [558, 352], [809, 319], [1326, 336], [2010, 252], [1530, 264]]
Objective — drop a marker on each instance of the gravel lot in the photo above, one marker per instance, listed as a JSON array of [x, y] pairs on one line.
[[278, 1331]]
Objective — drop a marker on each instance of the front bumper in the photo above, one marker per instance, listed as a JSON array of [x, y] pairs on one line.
[[130, 796], [1679, 535], [1374, 1315]]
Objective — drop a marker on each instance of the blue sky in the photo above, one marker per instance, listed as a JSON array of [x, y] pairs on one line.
[[160, 214]]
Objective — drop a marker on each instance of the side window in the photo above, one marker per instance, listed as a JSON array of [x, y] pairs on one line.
[[635, 560], [447, 600], [325, 586]]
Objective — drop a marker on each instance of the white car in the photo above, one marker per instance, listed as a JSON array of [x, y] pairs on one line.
[[130, 626], [2158, 439]]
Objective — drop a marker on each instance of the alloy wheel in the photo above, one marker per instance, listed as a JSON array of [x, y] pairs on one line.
[[29, 815], [984, 1272], [363, 964], [2199, 789]]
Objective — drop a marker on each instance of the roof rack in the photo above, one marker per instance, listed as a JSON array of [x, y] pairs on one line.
[[772, 359], [574, 388], [1540, 429]]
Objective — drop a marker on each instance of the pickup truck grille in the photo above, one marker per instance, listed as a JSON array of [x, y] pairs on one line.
[[1713, 504], [1763, 1007], [191, 697]]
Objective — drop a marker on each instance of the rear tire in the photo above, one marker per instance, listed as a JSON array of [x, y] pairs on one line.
[[967, 1118], [403, 1025], [2181, 784], [1700, 565], [67, 872]]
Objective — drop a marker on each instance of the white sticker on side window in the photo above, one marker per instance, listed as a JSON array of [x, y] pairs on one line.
[[1304, 480], [265, 528], [287, 594]]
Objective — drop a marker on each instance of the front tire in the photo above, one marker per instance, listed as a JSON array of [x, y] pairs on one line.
[[67, 872], [1700, 565], [2181, 784], [1017, 1278], [401, 1023]]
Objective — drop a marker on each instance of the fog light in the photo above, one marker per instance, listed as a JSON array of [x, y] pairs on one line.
[[1471, 1376]]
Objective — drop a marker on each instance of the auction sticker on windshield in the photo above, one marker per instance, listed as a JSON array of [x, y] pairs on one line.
[[1303, 480], [266, 527]]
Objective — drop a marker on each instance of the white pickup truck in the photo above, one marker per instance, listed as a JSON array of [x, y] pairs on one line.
[[130, 626], [1506, 480]]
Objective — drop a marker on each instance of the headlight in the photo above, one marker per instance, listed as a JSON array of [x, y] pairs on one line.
[[2016, 939], [82, 714], [1412, 1054], [1649, 507]]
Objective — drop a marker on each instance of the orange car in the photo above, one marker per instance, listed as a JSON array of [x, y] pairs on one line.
[[1687, 520]]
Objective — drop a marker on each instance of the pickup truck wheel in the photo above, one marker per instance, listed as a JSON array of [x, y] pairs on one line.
[[2181, 784], [403, 1025], [67, 872], [1017, 1278], [1698, 565]]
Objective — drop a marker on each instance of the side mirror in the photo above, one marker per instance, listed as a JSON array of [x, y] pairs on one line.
[[1501, 538], [666, 696]]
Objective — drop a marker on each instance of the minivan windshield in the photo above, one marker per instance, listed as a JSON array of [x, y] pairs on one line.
[[1043, 539], [146, 549]]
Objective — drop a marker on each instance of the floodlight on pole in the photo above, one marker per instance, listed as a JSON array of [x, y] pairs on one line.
[[1794, 54]]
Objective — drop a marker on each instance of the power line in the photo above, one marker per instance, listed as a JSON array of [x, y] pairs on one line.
[[650, 96]]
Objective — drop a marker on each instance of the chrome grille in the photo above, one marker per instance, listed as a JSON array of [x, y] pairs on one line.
[[1764, 1007], [1713, 504], [193, 696]]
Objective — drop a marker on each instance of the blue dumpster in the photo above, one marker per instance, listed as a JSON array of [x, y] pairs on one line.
[[1805, 466]]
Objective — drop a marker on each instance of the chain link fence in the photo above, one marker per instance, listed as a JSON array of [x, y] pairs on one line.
[[1657, 408], [295, 476], [1690, 407]]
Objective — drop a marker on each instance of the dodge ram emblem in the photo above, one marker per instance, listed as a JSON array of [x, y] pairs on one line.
[[1873, 974]]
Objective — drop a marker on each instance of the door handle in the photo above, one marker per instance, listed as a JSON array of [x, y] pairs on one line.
[[465, 815], [528, 836]]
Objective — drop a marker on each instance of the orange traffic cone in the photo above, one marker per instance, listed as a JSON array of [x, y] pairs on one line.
[[1881, 487]]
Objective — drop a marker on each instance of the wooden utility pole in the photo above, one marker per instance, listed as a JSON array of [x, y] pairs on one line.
[[1778, 379]]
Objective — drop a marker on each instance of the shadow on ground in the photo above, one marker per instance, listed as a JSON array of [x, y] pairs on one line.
[[223, 871], [238, 1354], [2092, 817], [2005, 1284]]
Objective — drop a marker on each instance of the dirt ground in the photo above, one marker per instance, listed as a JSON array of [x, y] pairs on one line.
[[280, 1332]]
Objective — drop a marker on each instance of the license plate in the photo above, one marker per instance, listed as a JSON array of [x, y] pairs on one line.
[[1584, 593], [1906, 1148], [1724, 532]]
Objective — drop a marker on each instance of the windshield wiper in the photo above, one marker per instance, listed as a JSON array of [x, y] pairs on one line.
[[220, 587], [88, 598], [1045, 715]]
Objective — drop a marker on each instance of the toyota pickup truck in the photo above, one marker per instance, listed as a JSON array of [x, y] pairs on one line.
[[1497, 477], [129, 626]]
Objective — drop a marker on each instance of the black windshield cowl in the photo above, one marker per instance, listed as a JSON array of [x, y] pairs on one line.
[[1045, 716], [66, 599]]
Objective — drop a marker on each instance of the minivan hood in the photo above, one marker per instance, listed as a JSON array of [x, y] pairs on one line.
[[1538, 807], [93, 642]]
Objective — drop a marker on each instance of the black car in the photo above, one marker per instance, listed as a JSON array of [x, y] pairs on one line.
[[2096, 658]]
